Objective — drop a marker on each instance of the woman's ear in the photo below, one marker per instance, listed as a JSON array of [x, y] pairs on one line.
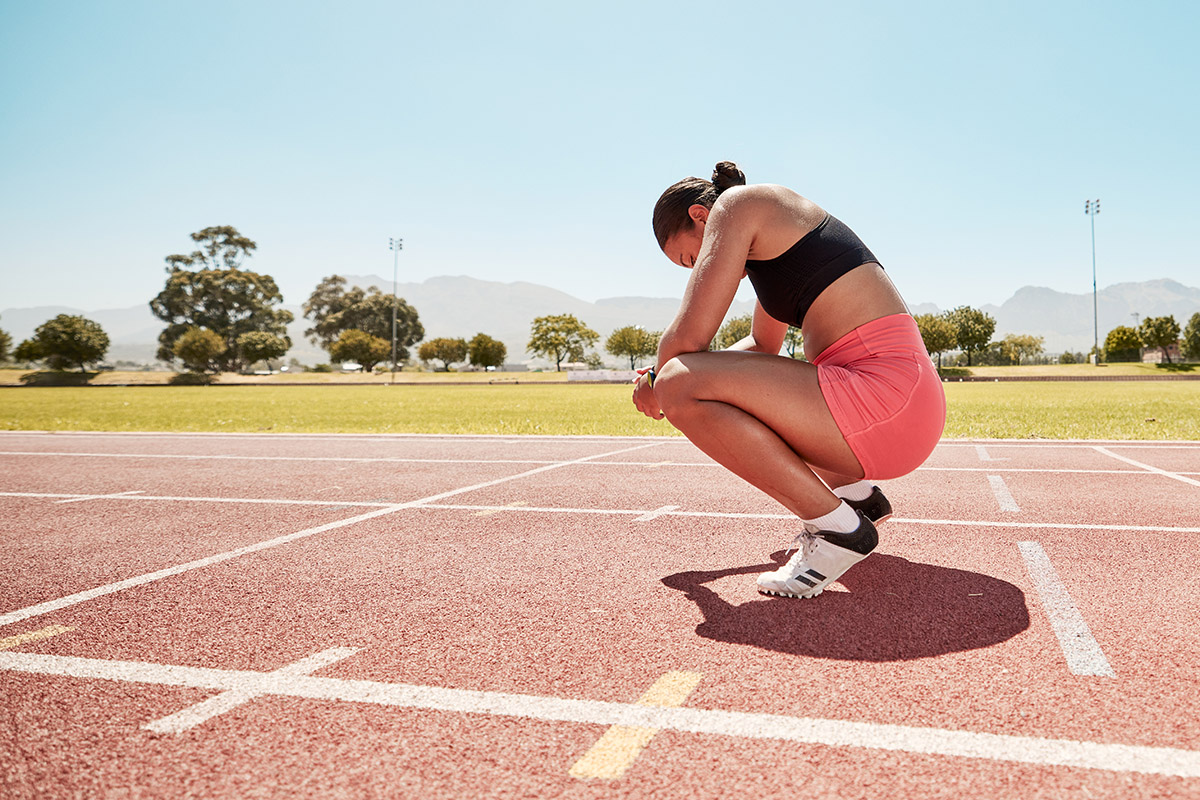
[[698, 214]]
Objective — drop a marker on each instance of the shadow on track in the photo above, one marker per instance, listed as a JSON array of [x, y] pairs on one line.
[[895, 610]]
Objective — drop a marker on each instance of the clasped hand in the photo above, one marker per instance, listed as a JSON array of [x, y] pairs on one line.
[[643, 395]]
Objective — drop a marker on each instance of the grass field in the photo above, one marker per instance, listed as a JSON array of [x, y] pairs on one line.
[[12, 377], [1108, 410]]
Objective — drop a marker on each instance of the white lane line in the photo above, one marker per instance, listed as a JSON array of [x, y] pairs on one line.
[[1042, 444], [490, 511], [652, 464], [1003, 495], [965, 523], [656, 513], [194, 499], [230, 699], [1082, 444], [203, 457], [81, 498], [982, 452], [1169, 761], [1082, 651], [1147, 467], [1035, 469], [81, 597], [345, 437], [1064, 526]]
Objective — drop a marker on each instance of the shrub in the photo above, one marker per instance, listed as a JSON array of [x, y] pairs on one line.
[[192, 379], [57, 378]]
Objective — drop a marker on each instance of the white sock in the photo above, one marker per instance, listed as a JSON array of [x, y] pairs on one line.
[[855, 491], [842, 519]]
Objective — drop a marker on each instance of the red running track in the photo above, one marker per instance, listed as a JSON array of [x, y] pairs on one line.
[[410, 616]]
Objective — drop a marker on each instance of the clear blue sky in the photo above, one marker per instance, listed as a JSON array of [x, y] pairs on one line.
[[528, 141]]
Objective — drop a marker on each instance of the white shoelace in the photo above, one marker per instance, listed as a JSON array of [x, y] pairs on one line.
[[806, 542]]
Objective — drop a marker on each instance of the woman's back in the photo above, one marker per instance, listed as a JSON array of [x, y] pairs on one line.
[[780, 218]]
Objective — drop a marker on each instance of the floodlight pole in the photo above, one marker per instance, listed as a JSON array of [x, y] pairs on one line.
[[1092, 208], [395, 245]]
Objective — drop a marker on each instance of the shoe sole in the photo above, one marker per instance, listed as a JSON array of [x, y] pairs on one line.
[[789, 594]]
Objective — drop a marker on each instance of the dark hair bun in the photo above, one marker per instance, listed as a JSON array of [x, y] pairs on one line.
[[727, 174]]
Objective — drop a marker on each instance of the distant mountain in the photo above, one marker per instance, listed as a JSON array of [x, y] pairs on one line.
[[461, 306], [1066, 320]]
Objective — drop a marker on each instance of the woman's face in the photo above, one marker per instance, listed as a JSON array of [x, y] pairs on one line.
[[683, 247]]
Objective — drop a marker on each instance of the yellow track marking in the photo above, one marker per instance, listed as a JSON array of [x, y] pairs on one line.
[[490, 511], [9, 642], [614, 753]]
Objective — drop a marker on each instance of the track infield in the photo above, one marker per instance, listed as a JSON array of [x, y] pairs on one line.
[[437, 616]]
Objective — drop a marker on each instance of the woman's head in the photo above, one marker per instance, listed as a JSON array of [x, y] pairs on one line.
[[673, 212]]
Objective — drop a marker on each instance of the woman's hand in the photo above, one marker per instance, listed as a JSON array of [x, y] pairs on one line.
[[643, 394]]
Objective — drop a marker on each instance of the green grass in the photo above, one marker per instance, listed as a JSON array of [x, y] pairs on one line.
[[501, 409], [1082, 370], [1116, 410], [12, 377]]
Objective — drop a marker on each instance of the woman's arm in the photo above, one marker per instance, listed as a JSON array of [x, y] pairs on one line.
[[766, 334], [720, 266]]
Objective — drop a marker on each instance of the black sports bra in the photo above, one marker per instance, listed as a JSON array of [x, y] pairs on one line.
[[789, 284]]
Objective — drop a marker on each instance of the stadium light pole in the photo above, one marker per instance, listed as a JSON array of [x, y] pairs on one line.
[[1092, 208], [395, 245]]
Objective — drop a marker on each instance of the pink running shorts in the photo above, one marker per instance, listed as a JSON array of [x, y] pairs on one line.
[[885, 395]]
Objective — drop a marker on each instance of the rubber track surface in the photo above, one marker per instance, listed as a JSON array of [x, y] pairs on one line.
[[234, 616]]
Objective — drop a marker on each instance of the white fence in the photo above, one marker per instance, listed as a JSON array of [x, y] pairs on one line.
[[606, 375]]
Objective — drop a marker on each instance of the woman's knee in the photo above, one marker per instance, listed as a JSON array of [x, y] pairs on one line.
[[673, 387]]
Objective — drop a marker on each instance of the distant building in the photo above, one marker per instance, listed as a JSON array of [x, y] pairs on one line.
[[1154, 355]]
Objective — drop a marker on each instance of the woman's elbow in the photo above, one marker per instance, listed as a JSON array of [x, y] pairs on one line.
[[677, 346]]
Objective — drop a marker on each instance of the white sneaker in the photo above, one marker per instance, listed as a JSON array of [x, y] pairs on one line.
[[823, 557]]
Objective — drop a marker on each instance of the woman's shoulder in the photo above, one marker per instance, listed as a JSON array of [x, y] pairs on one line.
[[762, 197], [769, 205]]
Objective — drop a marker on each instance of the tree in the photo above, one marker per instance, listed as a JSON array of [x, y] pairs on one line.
[[220, 246], [448, 351], [200, 350], [938, 333], [561, 337], [1191, 338], [793, 342], [5, 345], [633, 342], [208, 289], [259, 346], [484, 351], [733, 331], [334, 309], [1014, 347], [1122, 344], [65, 341], [361, 348], [1160, 332], [973, 329]]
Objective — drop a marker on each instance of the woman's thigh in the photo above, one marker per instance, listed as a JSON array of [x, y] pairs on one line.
[[780, 392]]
